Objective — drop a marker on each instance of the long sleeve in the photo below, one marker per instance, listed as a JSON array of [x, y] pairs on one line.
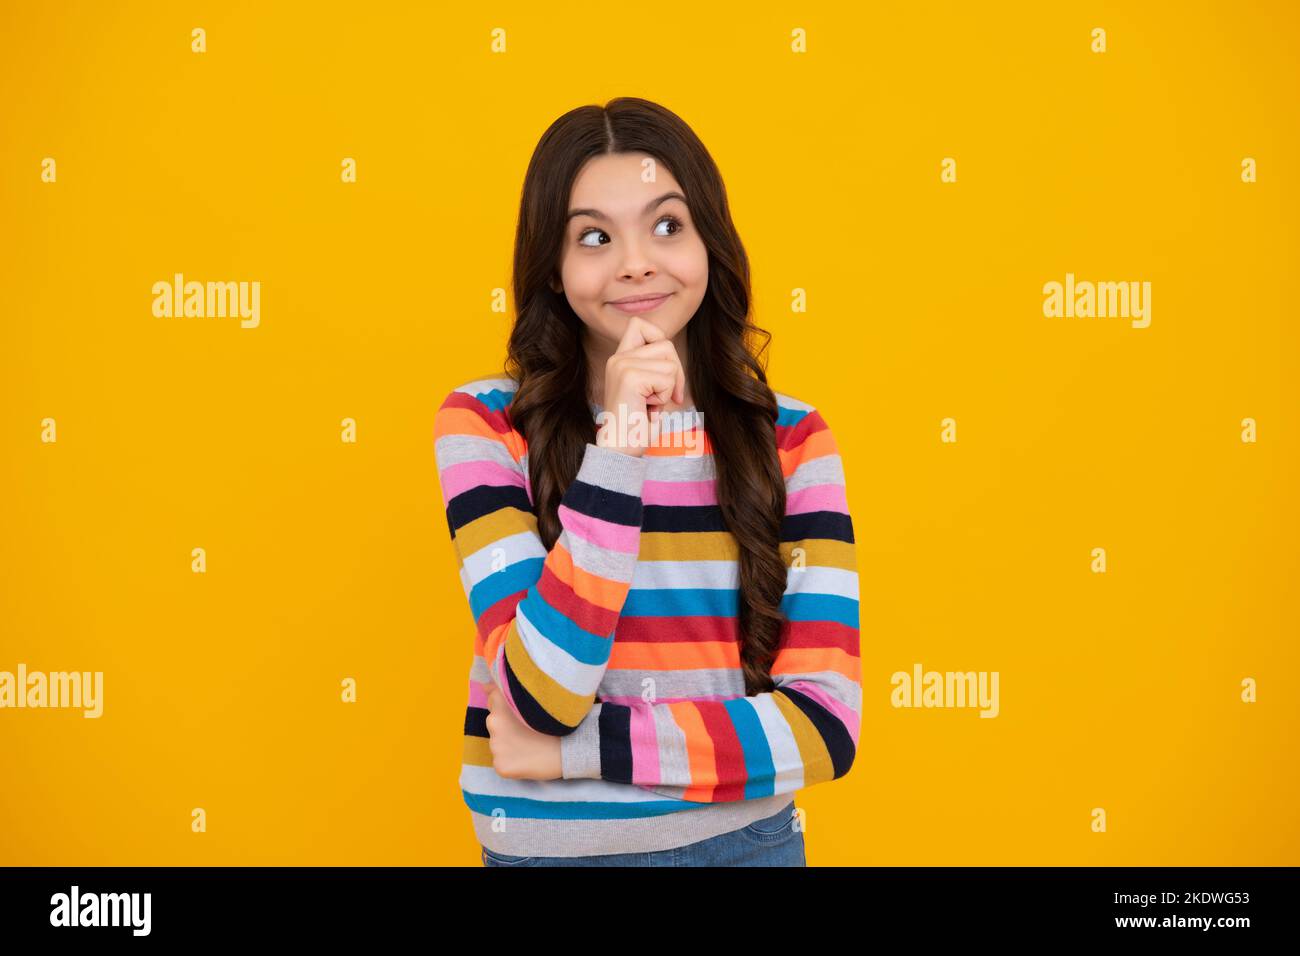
[[544, 620], [806, 730]]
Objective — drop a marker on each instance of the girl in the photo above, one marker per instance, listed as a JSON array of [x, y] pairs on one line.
[[655, 545]]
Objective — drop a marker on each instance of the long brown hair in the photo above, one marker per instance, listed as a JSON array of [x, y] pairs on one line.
[[727, 375]]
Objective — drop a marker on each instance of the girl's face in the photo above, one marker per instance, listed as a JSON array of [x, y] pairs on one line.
[[629, 238]]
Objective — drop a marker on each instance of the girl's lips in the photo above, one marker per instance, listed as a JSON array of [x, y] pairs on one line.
[[644, 305]]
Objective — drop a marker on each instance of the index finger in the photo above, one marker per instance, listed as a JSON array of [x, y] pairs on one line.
[[639, 332]]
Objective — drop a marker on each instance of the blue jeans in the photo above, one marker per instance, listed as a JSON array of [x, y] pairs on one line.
[[772, 841]]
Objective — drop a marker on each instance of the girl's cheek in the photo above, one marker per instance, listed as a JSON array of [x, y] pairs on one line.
[[693, 266]]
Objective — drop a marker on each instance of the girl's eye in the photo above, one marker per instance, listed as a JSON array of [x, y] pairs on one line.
[[588, 233], [675, 221]]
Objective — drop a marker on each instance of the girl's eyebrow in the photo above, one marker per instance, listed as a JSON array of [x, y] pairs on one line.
[[597, 214]]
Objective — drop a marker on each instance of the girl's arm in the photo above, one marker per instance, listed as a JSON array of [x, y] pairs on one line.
[[544, 620], [806, 731]]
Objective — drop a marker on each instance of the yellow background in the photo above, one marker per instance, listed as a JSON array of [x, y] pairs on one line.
[[326, 560]]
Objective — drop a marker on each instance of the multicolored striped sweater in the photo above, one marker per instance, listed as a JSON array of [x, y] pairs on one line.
[[622, 639]]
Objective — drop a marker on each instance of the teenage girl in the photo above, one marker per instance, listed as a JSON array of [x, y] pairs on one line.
[[655, 545]]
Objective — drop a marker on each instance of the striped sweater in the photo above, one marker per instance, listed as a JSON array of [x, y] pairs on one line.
[[623, 638]]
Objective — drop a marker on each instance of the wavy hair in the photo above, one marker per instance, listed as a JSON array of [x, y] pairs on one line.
[[728, 381]]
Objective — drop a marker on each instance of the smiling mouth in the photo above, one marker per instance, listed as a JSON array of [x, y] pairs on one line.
[[641, 304]]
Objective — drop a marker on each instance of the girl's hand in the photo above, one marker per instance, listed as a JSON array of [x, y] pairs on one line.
[[644, 373], [518, 751]]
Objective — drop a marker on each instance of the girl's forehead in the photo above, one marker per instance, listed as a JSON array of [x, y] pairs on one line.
[[624, 173]]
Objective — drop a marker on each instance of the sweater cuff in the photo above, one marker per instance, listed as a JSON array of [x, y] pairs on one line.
[[580, 750], [613, 470]]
